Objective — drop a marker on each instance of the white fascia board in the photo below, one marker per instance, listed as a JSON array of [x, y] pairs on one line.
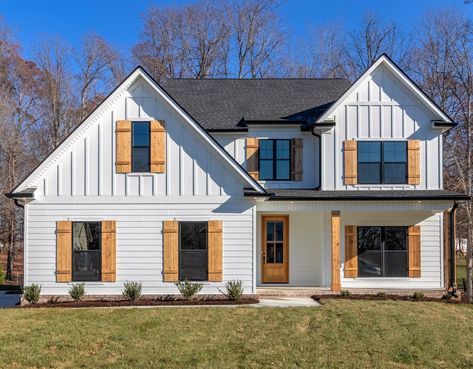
[[383, 59]]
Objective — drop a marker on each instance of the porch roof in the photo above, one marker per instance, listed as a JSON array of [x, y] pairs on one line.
[[357, 195]]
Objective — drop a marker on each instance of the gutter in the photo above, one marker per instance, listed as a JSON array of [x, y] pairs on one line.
[[320, 158], [453, 264]]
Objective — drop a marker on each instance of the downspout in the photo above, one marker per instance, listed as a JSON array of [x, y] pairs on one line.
[[320, 158], [453, 283]]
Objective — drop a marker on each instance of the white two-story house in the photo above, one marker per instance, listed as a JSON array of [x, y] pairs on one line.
[[274, 182]]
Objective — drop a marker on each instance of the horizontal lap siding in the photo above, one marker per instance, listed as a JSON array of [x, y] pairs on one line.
[[139, 242]]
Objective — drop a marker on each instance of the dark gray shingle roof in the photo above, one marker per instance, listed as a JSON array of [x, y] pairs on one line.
[[220, 104], [303, 195]]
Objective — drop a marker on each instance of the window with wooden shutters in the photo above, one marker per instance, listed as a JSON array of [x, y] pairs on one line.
[[296, 159], [170, 250], [413, 162], [109, 256], [158, 146], [351, 162], [252, 157], [63, 251], [86, 251], [351, 252], [414, 251], [123, 146], [215, 239]]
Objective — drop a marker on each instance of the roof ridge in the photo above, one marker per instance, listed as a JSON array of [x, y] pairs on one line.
[[259, 79]]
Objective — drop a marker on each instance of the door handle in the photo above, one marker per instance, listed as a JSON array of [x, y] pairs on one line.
[[264, 258]]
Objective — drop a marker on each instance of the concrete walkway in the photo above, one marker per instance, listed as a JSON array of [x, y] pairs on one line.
[[286, 302]]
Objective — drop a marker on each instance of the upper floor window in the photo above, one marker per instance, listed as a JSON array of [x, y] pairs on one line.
[[382, 162], [140, 155], [275, 160]]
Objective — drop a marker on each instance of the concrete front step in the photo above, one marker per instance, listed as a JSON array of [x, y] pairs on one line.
[[263, 292]]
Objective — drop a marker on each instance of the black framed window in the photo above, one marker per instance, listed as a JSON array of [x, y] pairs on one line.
[[140, 154], [382, 252], [86, 251], [382, 162], [193, 251], [275, 160]]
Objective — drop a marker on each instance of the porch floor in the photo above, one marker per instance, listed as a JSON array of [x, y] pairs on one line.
[[284, 291]]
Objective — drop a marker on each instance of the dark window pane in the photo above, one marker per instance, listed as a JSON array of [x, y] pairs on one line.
[[395, 238], [369, 264], [369, 152], [266, 149], [282, 169], [86, 236], [395, 152], [270, 253], [279, 231], [369, 173], [266, 169], [394, 173], [270, 231], [193, 251], [279, 253], [86, 243], [140, 159], [369, 238], [282, 149], [141, 128], [395, 264]]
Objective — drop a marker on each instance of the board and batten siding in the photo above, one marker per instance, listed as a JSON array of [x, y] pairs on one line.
[[88, 167], [81, 184], [382, 109], [235, 145]]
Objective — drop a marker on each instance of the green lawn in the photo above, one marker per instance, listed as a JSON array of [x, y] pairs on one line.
[[341, 334]]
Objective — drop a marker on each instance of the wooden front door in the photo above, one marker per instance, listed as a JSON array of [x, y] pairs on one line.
[[274, 249]]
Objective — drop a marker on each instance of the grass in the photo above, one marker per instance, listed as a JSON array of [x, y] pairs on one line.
[[341, 334]]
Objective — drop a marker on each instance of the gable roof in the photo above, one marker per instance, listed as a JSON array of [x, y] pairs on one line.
[[403, 78], [232, 104], [44, 165]]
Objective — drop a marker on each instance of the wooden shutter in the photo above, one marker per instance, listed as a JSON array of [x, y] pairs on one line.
[[252, 157], [123, 146], [296, 159], [413, 162], [414, 251], [109, 253], [351, 252], [215, 251], [170, 250], [158, 146], [351, 162], [63, 251]]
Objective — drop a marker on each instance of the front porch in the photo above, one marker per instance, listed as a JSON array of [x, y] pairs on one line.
[[313, 257]]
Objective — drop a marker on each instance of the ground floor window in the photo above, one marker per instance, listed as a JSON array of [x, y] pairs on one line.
[[86, 251], [193, 260], [382, 252]]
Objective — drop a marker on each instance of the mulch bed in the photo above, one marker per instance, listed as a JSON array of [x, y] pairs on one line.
[[142, 302], [318, 298]]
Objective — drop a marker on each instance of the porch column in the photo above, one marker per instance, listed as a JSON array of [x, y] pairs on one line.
[[335, 225]]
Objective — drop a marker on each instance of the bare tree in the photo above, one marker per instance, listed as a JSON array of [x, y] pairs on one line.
[[370, 40]]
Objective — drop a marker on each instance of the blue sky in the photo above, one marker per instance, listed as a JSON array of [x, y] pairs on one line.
[[119, 21]]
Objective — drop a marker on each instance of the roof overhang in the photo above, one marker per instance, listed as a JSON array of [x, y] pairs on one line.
[[360, 195], [403, 78]]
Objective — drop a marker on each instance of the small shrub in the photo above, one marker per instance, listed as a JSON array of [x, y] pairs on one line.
[[32, 293], [132, 290], [77, 291], [233, 290], [2, 276], [446, 296], [418, 295], [381, 295], [188, 289], [345, 293]]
